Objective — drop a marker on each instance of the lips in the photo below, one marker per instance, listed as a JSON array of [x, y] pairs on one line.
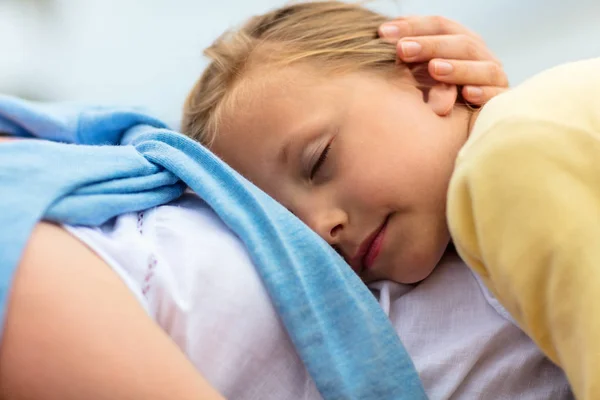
[[369, 249]]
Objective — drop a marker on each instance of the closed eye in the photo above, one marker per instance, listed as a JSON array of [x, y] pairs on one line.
[[322, 158]]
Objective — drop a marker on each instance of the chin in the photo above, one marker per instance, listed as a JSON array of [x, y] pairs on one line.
[[417, 274], [422, 264]]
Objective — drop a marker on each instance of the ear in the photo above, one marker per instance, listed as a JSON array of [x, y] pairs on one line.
[[441, 98]]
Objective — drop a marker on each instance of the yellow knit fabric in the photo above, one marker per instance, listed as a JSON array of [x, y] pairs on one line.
[[524, 213]]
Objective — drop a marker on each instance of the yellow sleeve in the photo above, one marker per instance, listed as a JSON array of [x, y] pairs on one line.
[[524, 213]]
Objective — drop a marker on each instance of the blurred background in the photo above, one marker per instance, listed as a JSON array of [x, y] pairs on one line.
[[149, 53]]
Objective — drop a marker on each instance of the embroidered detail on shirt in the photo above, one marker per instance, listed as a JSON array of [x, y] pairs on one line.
[[146, 285], [140, 222]]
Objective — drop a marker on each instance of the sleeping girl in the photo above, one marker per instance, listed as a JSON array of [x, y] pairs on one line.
[[389, 166], [167, 301]]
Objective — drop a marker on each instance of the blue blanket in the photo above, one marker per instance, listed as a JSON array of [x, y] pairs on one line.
[[97, 163]]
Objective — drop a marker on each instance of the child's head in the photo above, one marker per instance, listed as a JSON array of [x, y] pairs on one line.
[[309, 104]]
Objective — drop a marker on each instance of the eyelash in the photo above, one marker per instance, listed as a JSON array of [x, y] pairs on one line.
[[320, 161]]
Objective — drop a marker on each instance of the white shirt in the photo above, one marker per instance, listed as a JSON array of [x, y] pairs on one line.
[[195, 278]]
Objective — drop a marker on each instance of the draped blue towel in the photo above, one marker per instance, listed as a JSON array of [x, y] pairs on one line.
[[97, 163]]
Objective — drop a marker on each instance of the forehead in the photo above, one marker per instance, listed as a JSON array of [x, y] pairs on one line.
[[267, 108]]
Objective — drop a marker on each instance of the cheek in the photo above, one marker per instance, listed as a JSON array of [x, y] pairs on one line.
[[389, 157], [421, 165], [373, 176]]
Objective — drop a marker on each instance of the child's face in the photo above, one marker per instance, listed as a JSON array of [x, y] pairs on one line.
[[363, 161]]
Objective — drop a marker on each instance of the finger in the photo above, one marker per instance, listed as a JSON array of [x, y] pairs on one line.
[[473, 73], [480, 95], [423, 26], [453, 47]]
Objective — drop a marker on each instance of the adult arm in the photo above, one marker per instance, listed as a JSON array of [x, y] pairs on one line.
[[74, 331]]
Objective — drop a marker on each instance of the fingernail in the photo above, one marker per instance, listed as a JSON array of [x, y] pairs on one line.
[[474, 92], [389, 31], [410, 49], [443, 68]]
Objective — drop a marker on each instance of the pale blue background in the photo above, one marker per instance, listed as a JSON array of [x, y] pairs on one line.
[[149, 52]]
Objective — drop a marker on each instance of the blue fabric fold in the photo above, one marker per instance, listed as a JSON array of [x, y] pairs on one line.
[[96, 163]]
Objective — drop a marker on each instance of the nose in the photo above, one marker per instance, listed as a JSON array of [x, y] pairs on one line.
[[329, 222]]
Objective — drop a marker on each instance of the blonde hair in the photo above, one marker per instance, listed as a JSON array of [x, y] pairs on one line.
[[336, 36]]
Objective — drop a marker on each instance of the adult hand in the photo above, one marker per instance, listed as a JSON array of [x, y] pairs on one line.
[[454, 54]]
